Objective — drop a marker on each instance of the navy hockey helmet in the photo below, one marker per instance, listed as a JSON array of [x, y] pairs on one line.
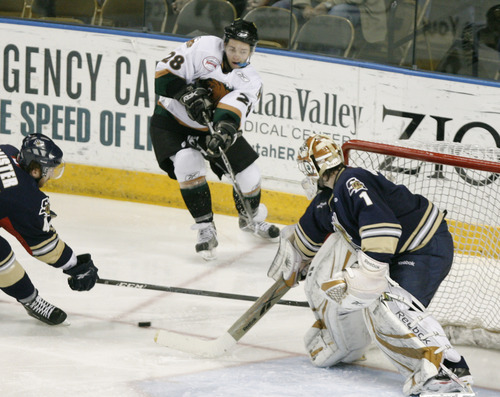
[[242, 30], [38, 149], [318, 154]]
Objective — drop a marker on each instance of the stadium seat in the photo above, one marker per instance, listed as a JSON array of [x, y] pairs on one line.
[[122, 14], [70, 11], [326, 34], [15, 8], [277, 26], [200, 17]]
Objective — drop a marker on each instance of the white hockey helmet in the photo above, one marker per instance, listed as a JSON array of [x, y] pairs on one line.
[[318, 154]]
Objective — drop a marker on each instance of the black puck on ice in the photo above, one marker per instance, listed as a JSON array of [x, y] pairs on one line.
[[144, 324]]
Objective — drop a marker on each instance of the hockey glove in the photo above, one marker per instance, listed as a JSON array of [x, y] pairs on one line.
[[358, 286], [83, 274], [197, 103], [224, 136]]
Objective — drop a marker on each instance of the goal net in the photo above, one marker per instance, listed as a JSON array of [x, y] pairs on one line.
[[463, 180]]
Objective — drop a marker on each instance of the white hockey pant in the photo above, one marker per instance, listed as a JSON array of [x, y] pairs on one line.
[[336, 336], [409, 336], [190, 164]]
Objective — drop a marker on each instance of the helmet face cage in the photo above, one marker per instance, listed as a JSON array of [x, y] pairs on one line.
[[318, 154], [43, 151], [243, 31]]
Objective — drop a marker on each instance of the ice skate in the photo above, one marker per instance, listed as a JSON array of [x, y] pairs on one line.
[[262, 229], [259, 226], [42, 310], [207, 240], [452, 380]]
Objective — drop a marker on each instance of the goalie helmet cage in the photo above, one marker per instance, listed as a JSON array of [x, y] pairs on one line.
[[463, 180]]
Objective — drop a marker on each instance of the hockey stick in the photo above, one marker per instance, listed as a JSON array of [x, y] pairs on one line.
[[230, 173], [219, 346], [180, 290]]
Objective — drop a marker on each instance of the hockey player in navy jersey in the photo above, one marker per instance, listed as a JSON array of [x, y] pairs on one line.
[[25, 213], [210, 76], [373, 255]]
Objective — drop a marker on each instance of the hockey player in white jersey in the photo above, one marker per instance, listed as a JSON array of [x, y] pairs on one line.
[[373, 255], [210, 78]]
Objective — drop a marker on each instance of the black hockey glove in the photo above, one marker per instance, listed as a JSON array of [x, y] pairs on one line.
[[224, 137], [197, 102], [83, 274]]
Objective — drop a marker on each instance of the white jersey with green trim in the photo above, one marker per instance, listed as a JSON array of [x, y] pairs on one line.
[[200, 59]]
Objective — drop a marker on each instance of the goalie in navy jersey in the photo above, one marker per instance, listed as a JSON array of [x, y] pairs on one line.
[[373, 255], [209, 78], [25, 213]]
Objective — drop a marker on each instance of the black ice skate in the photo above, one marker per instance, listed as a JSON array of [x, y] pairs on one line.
[[42, 310], [207, 240], [262, 229]]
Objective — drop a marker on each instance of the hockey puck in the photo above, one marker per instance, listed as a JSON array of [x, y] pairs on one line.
[[144, 324]]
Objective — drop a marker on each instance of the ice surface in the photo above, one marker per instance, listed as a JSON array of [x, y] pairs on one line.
[[104, 352]]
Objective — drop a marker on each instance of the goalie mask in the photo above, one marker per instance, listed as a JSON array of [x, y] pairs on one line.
[[316, 155]]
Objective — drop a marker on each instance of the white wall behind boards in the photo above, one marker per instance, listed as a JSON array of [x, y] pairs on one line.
[[93, 92]]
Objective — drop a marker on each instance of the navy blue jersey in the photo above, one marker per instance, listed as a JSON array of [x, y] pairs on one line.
[[375, 215], [25, 212]]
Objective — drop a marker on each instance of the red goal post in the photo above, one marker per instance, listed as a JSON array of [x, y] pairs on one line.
[[464, 180]]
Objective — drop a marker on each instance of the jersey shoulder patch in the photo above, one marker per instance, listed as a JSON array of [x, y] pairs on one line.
[[354, 185]]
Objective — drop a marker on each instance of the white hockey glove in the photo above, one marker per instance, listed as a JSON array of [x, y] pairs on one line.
[[288, 263], [358, 286]]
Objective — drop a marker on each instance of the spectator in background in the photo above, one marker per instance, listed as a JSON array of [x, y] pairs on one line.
[[178, 4], [296, 6], [367, 16], [44, 8], [469, 54], [239, 6], [490, 34]]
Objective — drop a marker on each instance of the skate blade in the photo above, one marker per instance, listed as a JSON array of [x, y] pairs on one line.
[[255, 233], [65, 323], [468, 393], [208, 255], [266, 238]]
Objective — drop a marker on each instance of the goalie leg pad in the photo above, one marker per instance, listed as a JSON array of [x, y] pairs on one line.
[[412, 339], [336, 336], [320, 346], [333, 256], [340, 337]]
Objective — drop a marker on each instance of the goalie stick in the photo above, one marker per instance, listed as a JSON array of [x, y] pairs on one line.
[[189, 291], [221, 345]]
